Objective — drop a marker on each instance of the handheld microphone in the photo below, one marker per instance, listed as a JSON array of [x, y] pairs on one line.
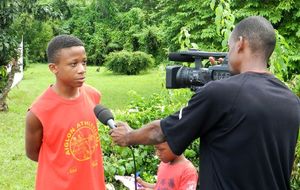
[[105, 116]]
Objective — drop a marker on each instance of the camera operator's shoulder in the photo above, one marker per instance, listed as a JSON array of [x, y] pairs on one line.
[[224, 87], [227, 82]]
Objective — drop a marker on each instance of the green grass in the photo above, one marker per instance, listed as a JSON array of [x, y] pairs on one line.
[[16, 170], [115, 88]]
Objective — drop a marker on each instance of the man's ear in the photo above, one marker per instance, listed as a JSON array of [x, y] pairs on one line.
[[241, 44], [53, 68]]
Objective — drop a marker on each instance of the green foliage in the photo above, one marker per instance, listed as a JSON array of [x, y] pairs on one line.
[[35, 40], [131, 20], [279, 59], [129, 63], [26, 18], [184, 40], [224, 20], [81, 23], [129, 25], [106, 8], [8, 36], [87, 25], [151, 39], [285, 16], [43, 12], [294, 84], [3, 77], [97, 47], [295, 179], [143, 110], [62, 8], [9, 39], [195, 16], [111, 47], [8, 51]]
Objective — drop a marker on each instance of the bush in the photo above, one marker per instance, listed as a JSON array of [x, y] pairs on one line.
[[112, 47], [130, 63]]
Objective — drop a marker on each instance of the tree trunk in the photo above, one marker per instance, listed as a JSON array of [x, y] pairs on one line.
[[6, 89]]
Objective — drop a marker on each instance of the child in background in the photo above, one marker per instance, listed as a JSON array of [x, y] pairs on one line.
[[174, 172]]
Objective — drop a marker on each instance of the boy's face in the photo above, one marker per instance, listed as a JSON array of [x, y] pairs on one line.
[[70, 66], [164, 152]]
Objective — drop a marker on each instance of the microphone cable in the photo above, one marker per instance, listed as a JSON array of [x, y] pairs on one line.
[[134, 167]]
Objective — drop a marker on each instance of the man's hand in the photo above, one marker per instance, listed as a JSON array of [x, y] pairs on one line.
[[119, 134], [148, 134], [213, 61]]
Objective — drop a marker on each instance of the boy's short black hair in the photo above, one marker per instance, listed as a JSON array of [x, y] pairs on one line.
[[259, 32], [61, 42]]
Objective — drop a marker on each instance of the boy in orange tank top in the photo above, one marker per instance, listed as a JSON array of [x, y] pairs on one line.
[[61, 128]]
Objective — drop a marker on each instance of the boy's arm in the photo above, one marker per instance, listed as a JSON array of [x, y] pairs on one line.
[[146, 185], [33, 136]]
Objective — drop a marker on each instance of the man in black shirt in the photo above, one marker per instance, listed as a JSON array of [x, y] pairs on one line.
[[248, 124]]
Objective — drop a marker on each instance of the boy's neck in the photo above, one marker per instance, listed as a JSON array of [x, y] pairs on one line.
[[177, 160], [68, 93]]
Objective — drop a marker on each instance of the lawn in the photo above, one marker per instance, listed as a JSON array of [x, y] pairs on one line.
[[17, 171]]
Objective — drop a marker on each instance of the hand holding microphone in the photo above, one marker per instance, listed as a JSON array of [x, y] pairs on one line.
[[118, 130]]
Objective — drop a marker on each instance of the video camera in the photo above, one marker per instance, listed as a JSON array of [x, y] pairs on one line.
[[185, 77]]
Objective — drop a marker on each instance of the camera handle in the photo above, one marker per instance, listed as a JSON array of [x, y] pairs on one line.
[[198, 66], [198, 62]]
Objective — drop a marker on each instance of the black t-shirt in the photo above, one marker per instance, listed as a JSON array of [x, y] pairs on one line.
[[248, 126]]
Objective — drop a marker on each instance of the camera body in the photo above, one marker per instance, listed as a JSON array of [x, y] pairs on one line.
[[186, 77]]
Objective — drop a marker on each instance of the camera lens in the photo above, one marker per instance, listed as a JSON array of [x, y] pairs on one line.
[[187, 77]]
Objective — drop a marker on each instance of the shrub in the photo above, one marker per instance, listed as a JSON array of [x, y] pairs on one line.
[[112, 47], [130, 63]]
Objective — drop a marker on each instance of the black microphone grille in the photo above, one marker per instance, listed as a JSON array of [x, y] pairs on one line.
[[103, 114]]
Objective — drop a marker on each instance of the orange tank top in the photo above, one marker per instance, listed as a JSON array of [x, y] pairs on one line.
[[70, 157]]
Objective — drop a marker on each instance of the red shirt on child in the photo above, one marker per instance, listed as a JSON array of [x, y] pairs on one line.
[[179, 176]]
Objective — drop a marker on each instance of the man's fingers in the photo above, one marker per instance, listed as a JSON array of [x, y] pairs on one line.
[[220, 60], [212, 60]]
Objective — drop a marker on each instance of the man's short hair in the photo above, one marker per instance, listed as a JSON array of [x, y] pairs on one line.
[[259, 32], [61, 42]]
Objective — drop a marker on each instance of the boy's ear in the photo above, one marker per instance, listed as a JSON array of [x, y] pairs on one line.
[[53, 68]]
